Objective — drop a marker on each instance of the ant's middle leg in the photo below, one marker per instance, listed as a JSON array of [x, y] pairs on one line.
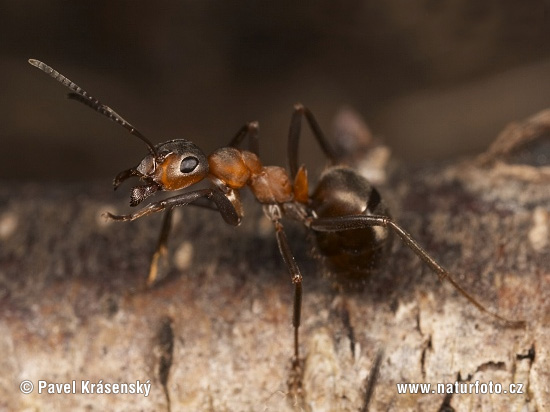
[[274, 213], [250, 131], [294, 137]]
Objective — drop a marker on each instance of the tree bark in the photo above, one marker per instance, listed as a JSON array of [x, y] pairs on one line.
[[216, 334]]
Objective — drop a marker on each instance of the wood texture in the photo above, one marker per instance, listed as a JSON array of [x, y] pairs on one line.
[[216, 335]]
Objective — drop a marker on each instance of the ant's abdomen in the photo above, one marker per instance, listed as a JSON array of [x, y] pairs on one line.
[[349, 255]]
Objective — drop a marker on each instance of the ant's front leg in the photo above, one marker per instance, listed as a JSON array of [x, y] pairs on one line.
[[223, 204], [161, 250]]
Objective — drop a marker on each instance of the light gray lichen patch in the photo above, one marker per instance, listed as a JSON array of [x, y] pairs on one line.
[[539, 232], [8, 224], [183, 255]]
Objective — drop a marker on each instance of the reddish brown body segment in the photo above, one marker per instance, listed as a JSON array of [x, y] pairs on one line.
[[228, 165], [301, 186], [269, 184]]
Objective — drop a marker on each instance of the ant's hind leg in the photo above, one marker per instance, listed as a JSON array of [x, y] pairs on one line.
[[294, 137], [341, 223]]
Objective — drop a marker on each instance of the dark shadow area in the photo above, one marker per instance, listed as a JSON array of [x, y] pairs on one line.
[[433, 79]]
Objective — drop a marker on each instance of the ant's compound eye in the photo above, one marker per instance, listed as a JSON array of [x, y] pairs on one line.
[[189, 164]]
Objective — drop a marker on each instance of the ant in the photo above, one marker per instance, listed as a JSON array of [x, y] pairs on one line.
[[346, 214]]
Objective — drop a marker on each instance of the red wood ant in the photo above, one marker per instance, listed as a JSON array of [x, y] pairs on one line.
[[345, 212]]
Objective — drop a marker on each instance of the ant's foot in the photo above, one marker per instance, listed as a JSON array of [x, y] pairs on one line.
[[159, 267], [295, 386]]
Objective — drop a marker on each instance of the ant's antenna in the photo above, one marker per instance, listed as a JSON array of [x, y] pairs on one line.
[[82, 96]]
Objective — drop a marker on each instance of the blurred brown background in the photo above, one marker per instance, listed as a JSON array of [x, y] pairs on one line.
[[434, 78]]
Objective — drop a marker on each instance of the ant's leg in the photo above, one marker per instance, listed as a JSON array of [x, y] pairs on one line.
[[224, 205], [336, 224], [205, 203], [294, 137], [274, 214], [161, 249], [249, 130]]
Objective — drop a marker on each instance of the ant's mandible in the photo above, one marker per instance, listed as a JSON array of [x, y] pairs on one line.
[[351, 224]]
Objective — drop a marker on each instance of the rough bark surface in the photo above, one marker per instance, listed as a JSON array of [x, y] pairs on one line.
[[216, 335]]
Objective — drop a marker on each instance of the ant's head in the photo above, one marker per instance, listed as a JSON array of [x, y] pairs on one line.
[[173, 165]]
